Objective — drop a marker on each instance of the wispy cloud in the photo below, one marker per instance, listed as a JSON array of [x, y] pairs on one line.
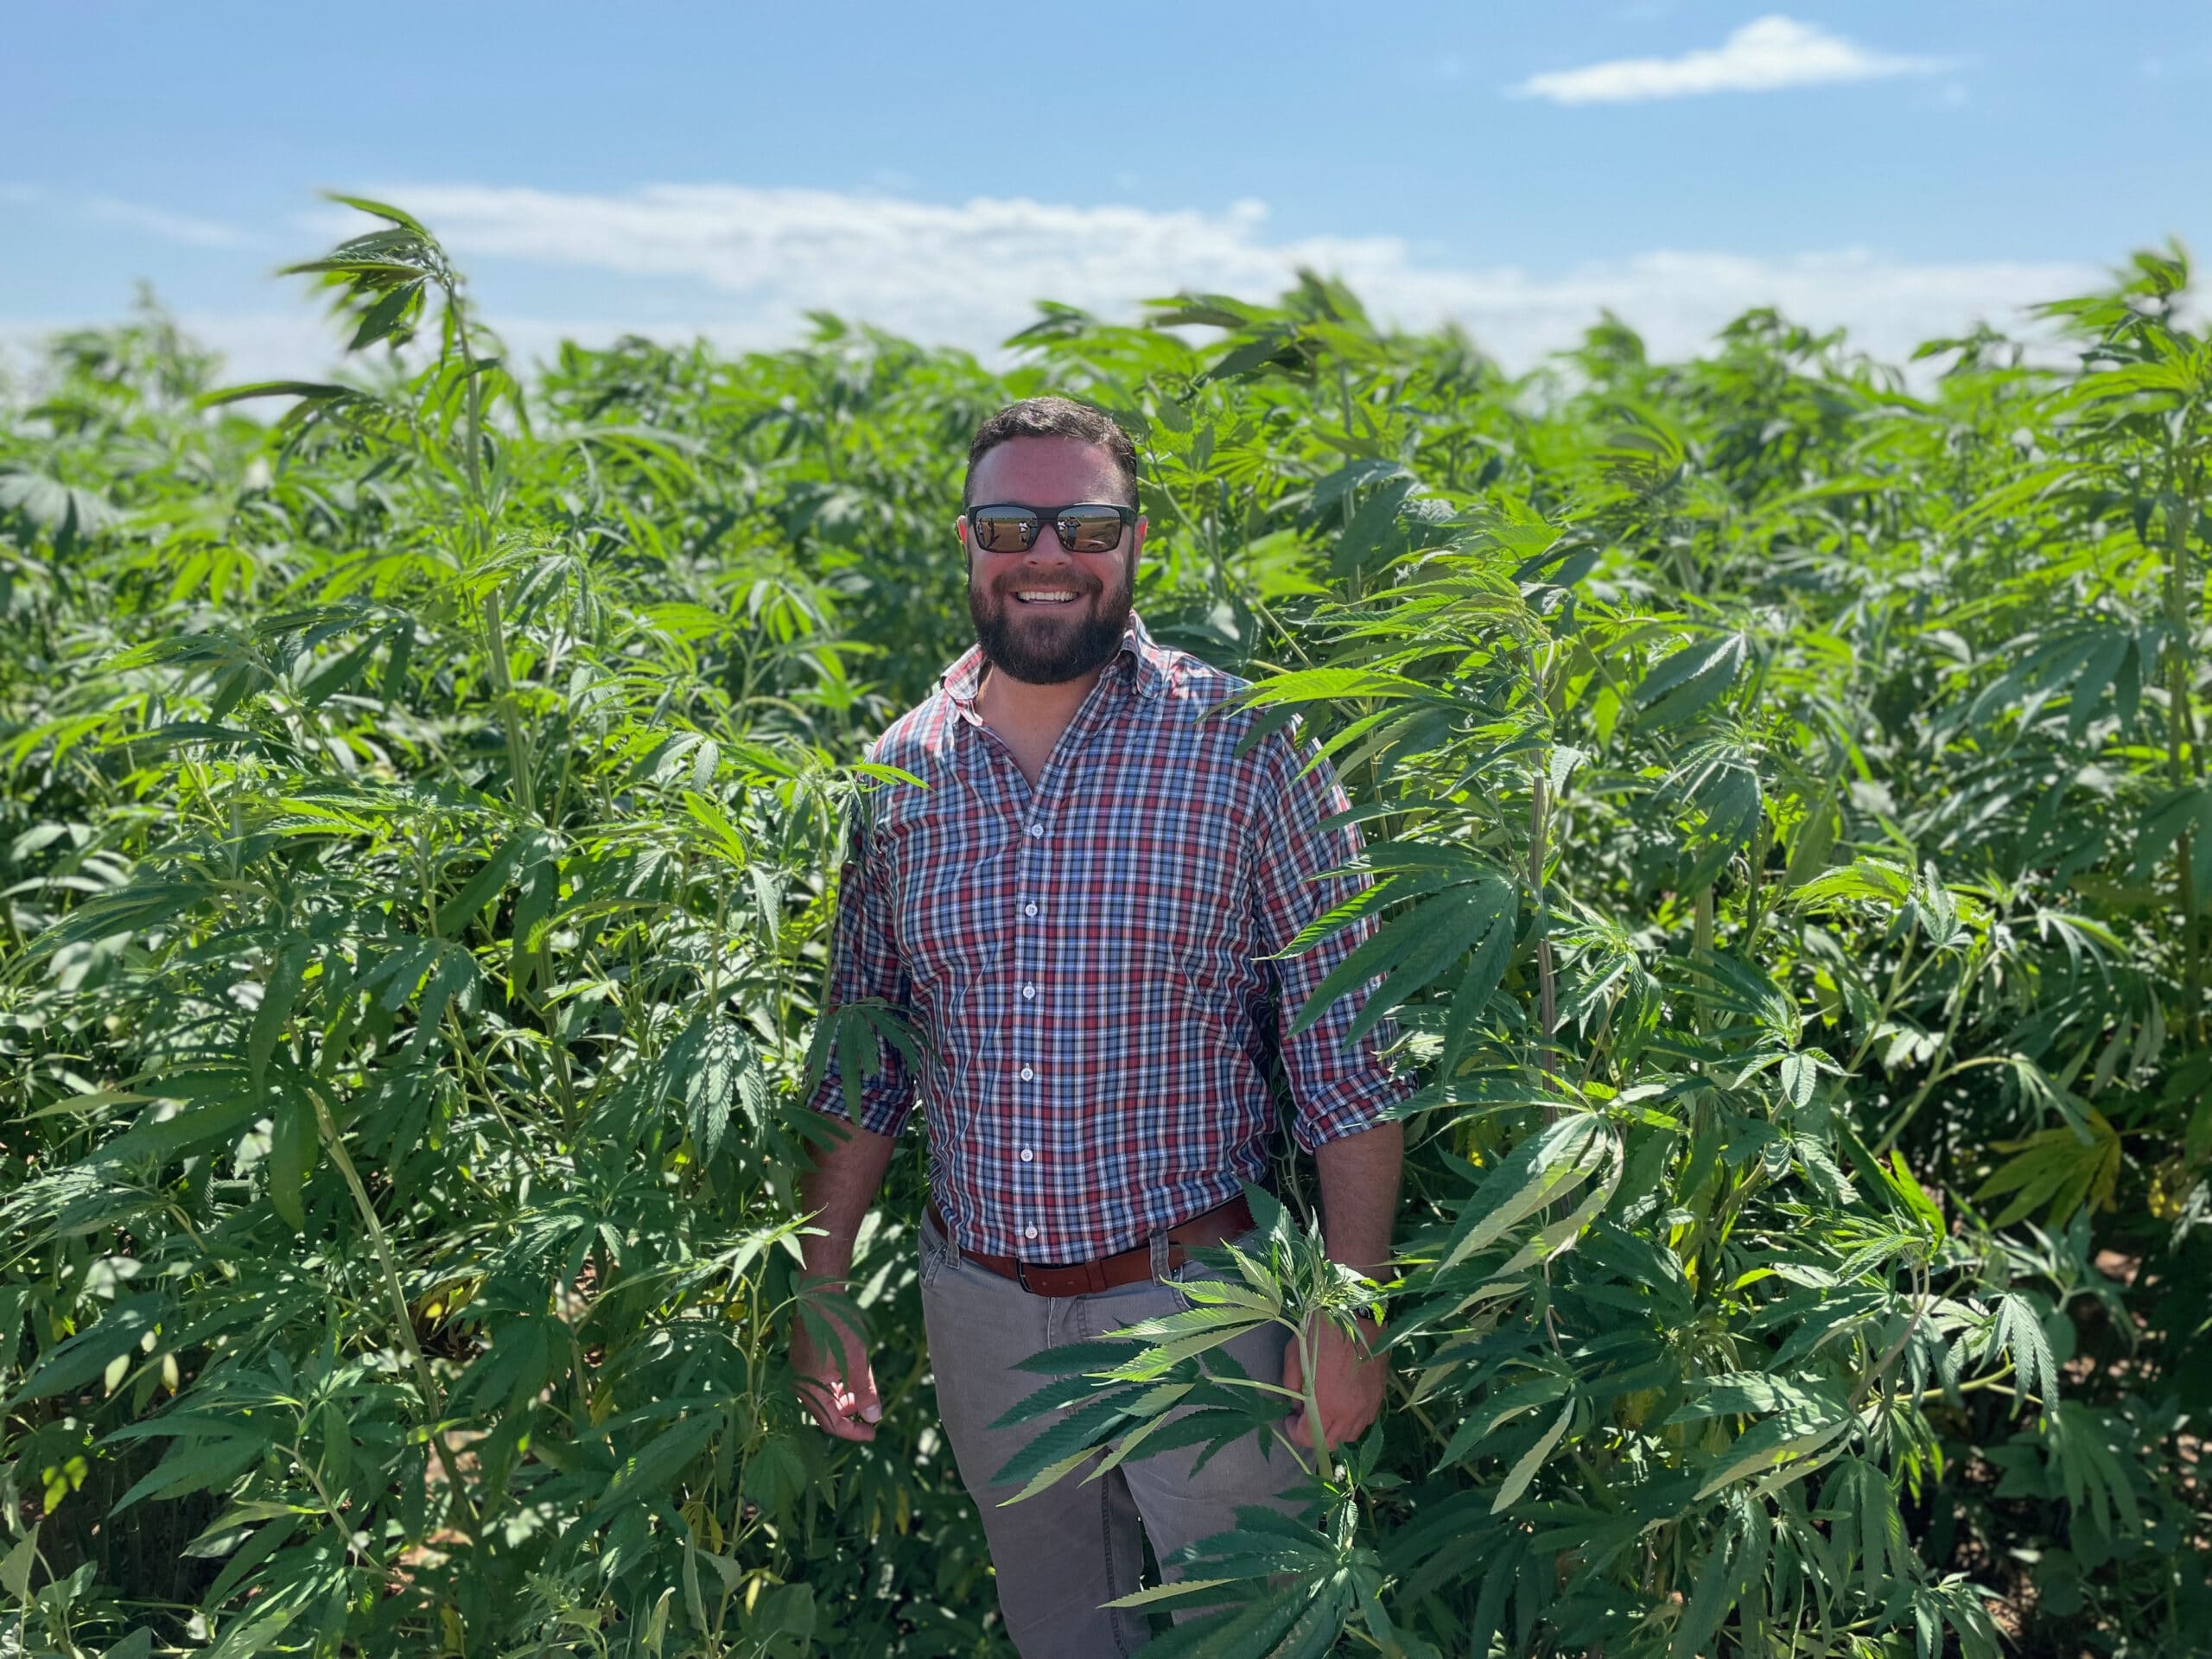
[[156, 221], [1763, 56], [20, 195], [969, 274], [743, 266]]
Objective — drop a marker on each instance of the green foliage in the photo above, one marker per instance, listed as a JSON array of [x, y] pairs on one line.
[[1787, 795]]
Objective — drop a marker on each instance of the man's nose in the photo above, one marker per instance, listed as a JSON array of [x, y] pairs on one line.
[[1046, 548]]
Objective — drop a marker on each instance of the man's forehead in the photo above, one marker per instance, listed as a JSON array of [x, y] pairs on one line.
[[1048, 460]]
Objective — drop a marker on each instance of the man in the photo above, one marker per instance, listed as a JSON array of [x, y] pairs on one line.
[[1078, 913]]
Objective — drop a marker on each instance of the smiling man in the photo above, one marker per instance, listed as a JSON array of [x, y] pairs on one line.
[[1081, 913]]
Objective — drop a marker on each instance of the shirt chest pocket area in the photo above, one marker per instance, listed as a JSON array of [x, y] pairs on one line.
[[1174, 895]]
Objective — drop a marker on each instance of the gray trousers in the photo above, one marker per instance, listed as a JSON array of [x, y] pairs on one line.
[[1062, 1553]]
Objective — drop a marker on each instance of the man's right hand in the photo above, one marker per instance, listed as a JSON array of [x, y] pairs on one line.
[[836, 1386]]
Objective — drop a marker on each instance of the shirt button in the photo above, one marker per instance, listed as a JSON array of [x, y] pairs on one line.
[[1029, 1232], [1026, 1074], [1036, 829], [1029, 991], [1029, 910], [1027, 1156]]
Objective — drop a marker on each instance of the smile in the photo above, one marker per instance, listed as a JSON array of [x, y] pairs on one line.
[[1046, 596]]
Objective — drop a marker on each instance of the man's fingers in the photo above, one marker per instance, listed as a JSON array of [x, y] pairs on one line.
[[1298, 1433], [820, 1401], [836, 1410], [1301, 1434], [865, 1403]]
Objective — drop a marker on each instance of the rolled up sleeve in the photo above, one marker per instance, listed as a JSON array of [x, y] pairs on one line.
[[1335, 1088]]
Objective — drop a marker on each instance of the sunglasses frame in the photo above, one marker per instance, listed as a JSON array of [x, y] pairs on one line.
[[1044, 516]]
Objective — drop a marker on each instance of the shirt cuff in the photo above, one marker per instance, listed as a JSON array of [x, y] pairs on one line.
[[878, 1115], [1347, 1108]]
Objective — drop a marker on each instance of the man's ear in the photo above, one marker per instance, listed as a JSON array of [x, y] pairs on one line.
[[960, 530]]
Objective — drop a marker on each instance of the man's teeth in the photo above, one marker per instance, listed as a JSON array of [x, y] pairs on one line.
[[1044, 595]]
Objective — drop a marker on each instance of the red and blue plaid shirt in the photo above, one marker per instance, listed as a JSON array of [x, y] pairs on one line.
[[1087, 962]]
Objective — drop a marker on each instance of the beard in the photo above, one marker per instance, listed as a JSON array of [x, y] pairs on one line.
[[1039, 647]]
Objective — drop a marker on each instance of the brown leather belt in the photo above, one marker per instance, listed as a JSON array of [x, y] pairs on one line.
[[1124, 1267]]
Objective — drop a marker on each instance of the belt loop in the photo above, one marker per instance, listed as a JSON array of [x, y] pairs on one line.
[[1161, 1268], [944, 1229]]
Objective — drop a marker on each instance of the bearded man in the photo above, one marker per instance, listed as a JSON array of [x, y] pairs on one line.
[[1081, 913]]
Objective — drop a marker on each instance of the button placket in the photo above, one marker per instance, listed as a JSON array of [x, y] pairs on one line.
[[1029, 945], [1034, 811], [1039, 807]]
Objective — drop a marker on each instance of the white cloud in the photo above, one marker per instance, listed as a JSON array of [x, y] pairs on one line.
[[743, 266], [1763, 55], [971, 274], [155, 221]]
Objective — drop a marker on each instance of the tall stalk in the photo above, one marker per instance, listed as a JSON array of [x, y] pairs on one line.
[[1540, 837], [2184, 750]]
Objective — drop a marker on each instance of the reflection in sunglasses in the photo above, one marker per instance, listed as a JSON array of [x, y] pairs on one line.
[[1084, 527]]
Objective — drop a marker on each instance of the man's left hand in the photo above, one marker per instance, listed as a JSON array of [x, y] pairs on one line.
[[1348, 1386]]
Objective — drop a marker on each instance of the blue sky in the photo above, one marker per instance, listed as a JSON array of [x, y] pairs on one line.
[[682, 168]]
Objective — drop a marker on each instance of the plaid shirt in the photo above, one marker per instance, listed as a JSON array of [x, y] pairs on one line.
[[1085, 962]]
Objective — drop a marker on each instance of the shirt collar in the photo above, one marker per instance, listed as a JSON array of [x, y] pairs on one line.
[[1142, 664]]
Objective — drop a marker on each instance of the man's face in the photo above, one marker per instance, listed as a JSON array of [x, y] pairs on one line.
[[1043, 639]]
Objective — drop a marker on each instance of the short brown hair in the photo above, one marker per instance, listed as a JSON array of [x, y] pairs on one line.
[[1053, 418]]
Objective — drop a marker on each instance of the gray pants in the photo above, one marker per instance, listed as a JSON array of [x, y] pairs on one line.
[[1061, 1554]]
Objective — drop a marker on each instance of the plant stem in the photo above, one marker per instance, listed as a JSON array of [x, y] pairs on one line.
[[518, 760], [2184, 755], [1540, 832], [1547, 977], [402, 1320], [1937, 1070]]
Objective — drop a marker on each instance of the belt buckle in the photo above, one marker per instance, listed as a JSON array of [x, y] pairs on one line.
[[1084, 1278]]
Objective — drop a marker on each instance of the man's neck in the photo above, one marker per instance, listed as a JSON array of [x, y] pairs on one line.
[[1003, 701], [1029, 719]]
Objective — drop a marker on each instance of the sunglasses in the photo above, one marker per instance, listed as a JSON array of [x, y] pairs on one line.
[[1085, 527]]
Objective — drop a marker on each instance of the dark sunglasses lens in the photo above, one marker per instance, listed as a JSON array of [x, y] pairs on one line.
[[1003, 532], [1089, 532]]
